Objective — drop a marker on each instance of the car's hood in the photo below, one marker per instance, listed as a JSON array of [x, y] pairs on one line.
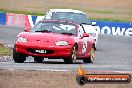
[[38, 36]]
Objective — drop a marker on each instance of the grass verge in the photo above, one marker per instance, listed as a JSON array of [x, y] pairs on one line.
[[4, 51], [110, 19], [42, 14], [21, 12]]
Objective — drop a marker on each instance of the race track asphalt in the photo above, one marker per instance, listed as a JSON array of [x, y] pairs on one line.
[[114, 53]]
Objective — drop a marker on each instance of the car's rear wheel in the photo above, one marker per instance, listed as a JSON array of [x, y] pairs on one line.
[[18, 57], [73, 56], [38, 59], [90, 59]]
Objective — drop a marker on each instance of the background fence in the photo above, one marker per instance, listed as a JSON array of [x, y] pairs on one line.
[[96, 9]]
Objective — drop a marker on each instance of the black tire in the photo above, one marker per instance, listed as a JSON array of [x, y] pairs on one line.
[[38, 59], [18, 57], [94, 48], [90, 59], [73, 56], [81, 80]]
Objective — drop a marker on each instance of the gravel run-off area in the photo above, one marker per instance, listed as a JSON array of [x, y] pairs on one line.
[[12, 78]]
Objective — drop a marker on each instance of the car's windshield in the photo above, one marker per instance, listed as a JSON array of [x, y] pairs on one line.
[[56, 27], [70, 16]]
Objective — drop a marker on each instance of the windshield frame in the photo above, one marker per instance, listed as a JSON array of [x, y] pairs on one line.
[[34, 29], [67, 17]]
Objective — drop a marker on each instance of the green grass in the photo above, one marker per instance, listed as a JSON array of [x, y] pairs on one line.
[[110, 19], [21, 12], [42, 14], [100, 11], [4, 51], [87, 10]]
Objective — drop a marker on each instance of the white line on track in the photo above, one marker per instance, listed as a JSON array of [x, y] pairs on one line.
[[108, 71], [123, 71], [51, 70]]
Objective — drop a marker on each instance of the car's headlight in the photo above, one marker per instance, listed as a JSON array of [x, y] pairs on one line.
[[92, 34], [61, 43], [21, 39]]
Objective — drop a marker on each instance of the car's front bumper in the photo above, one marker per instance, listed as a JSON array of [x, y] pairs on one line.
[[51, 51]]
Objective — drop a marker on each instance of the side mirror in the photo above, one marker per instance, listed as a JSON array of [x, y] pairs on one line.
[[44, 17], [27, 29], [85, 35], [93, 23]]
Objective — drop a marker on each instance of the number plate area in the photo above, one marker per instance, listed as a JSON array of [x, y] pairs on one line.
[[41, 51]]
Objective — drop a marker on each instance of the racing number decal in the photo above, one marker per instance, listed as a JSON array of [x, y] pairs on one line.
[[84, 47], [85, 39]]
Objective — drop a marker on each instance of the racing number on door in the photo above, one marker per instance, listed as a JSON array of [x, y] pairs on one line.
[[84, 47], [85, 42]]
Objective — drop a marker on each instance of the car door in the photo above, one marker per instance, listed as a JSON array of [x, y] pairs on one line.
[[83, 42]]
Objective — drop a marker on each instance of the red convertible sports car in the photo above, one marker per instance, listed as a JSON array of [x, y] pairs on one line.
[[54, 39]]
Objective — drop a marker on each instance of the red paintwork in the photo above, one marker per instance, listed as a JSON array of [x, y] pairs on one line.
[[46, 41]]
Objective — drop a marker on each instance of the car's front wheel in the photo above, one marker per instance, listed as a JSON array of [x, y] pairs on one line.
[[38, 59], [73, 56], [90, 59], [18, 57]]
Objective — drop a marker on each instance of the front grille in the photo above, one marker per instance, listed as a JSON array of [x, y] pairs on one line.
[[34, 51]]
